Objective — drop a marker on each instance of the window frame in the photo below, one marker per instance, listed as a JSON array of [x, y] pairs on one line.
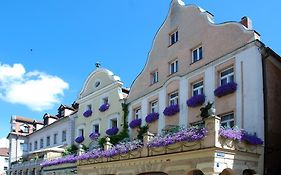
[[137, 113], [174, 99], [174, 66], [81, 132], [173, 37], [154, 106], [227, 122], [35, 145], [94, 127], [199, 89], [63, 136], [48, 140], [199, 54], [111, 122], [30, 146], [154, 77], [55, 140], [41, 145], [227, 76]]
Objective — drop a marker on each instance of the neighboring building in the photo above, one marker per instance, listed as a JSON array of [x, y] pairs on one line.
[[100, 105], [47, 141], [4, 161]]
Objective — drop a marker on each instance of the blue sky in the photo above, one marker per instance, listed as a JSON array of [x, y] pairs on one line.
[[48, 48]]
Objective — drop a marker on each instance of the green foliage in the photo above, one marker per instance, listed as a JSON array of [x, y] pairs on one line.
[[72, 149], [142, 130]]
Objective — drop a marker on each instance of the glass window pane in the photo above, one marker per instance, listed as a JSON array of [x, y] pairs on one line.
[[200, 53]]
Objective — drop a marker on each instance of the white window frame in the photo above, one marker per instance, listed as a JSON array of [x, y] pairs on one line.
[[154, 106], [199, 89], [137, 113], [48, 141], [198, 56], [228, 121], [24, 147], [154, 77], [227, 76], [174, 66], [64, 135], [88, 107], [105, 100], [96, 125], [78, 130], [173, 100], [174, 37]]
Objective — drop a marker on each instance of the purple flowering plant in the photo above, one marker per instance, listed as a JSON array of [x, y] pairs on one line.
[[94, 135], [112, 131], [61, 160], [171, 110], [225, 89], [88, 113], [152, 117], [196, 100], [104, 107], [135, 123], [185, 134], [79, 139], [239, 135]]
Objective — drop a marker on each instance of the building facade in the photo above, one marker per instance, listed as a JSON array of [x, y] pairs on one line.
[[4, 161]]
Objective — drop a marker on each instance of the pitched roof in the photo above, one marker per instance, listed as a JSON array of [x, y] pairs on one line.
[[4, 152], [24, 119]]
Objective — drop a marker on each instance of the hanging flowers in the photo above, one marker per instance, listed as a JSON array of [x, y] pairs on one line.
[[79, 139], [196, 100], [112, 131], [152, 117], [104, 107], [135, 123], [171, 110], [87, 113], [225, 89]]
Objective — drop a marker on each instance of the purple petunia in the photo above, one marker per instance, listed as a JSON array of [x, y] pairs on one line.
[[87, 113], [171, 110], [152, 117], [79, 139], [187, 135], [196, 100], [225, 89], [94, 135], [135, 123], [251, 139], [104, 107], [61, 160], [112, 131]]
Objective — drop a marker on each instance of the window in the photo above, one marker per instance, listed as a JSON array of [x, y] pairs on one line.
[[63, 136], [105, 100], [97, 83], [55, 138], [227, 76], [5, 168], [174, 98], [113, 122], [41, 143], [154, 77], [197, 54], [35, 145], [174, 67], [88, 107], [48, 140], [174, 37], [81, 132], [30, 146], [137, 113], [6, 160], [227, 120], [24, 128], [96, 128], [197, 88], [154, 106]]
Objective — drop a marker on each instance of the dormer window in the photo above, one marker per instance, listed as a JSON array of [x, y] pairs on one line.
[[24, 128], [174, 37]]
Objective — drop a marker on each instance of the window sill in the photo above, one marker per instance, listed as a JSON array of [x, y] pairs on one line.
[[195, 62]]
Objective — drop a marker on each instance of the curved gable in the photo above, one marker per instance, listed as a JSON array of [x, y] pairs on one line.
[[195, 28]]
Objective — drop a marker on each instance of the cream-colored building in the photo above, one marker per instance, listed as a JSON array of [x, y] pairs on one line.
[[101, 88]]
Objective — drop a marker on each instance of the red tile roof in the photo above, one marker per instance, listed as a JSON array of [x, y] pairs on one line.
[[24, 119]]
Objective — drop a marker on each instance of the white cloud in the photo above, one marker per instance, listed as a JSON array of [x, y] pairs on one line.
[[36, 90], [4, 143]]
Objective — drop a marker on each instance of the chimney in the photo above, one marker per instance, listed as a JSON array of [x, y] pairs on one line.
[[247, 22]]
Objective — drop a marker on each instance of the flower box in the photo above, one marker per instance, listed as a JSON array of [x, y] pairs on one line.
[[225, 89], [171, 110], [196, 100], [135, 123], [79, 139], [94, 135], [152, 117], [112, 131], [104, 107], [87, 113]]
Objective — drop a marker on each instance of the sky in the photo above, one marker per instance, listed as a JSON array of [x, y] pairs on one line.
[[48, 48]]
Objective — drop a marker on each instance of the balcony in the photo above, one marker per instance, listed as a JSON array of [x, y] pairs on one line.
[[27, 164]]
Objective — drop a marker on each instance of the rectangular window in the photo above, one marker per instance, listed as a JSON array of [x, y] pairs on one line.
[[105, 100], [63, 136], [227, 76], [5, 168], [35, 145], [48, 141], [174, 37], [197, 88], [137, 113], [174, 98], [96, 128], [154, 106], [197, 54], [55, 138], [41, 143], [227, 120], [23, 147], [81, 132], [30, 146], [88, 107], [154, 77], [174, 67], [113, 122]]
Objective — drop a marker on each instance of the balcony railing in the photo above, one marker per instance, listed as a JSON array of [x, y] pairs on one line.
[[27, 164]]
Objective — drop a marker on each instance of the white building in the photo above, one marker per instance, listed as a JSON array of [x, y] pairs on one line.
[[4, 161]]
